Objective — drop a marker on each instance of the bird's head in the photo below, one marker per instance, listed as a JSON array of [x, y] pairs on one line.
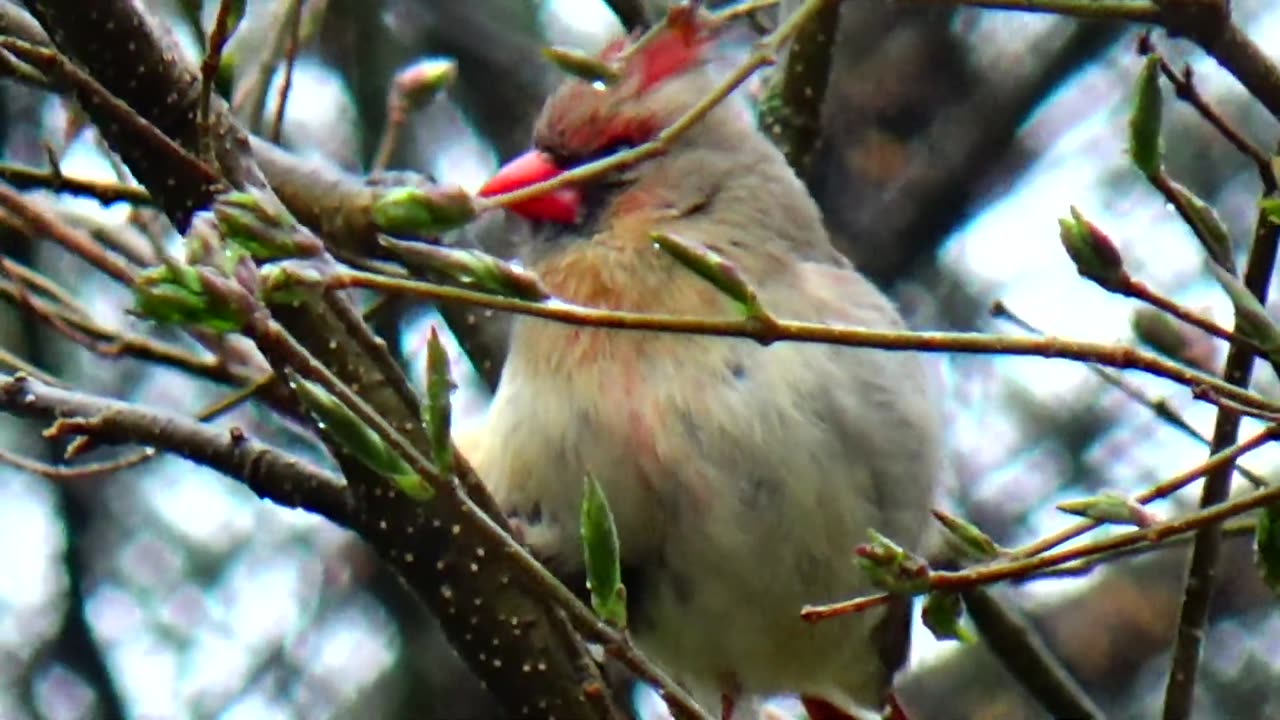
[[655, 83]]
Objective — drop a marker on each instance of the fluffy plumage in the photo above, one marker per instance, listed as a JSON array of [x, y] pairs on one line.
[[741, 476]]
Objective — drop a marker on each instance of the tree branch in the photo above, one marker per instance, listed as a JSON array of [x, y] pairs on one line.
[[433, 545], [269, 472], [791, 109], [1180, 690], [775, 330]]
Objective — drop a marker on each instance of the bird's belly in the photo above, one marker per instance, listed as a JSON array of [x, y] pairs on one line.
[[729, 618], [735, 502]]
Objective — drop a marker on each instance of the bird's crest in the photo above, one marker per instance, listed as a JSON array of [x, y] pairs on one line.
[[674, 47]]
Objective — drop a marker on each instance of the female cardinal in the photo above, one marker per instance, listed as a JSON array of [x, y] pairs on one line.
[[740, 476]]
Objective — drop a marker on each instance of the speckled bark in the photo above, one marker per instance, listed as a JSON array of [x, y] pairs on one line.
[[521, 648]]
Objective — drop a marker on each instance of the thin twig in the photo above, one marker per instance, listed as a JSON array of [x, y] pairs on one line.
[[76, 242], [69, 76], [746, 8], [250, 98], [25, 178], [1141, 291], [271, 473], [209, 412], [107, 342], [1180, 690], [1132, 10], [218, 36], [1022, 568], [13, 362], [1222, 458], [1032, 558], [785, 330], [79, 472], [1159, 406], [23, 275], [1206, 22], [1084, 567], [290, 58]]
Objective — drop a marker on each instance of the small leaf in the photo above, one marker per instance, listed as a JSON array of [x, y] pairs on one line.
[[968, 538], [288, 283], [603, 557], [714, 268], [1252, 319], [175, 295], [357, 438], [1270, 207], [890, 567], [414, 212], [260, 226], [1173, 338], [474, 268], [1094, 254], [419, 83], [1145, 120], [437, 411], [942, 613], [1110, 508], [1208, 226], [1266, 544]]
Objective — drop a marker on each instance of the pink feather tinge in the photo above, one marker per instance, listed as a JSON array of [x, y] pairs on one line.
[[676, 48]]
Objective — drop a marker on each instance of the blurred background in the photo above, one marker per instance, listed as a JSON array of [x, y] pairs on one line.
[[954, 138]]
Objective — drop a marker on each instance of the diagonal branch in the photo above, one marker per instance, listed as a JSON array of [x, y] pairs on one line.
[[269, 472], [444, 548], [791, 109]]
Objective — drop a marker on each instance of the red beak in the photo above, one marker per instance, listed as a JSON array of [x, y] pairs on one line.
[[559, 206]]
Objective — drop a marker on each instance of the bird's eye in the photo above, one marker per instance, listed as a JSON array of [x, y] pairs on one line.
[[606, 151]]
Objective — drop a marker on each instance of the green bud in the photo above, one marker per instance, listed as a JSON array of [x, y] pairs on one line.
[[289, 284], [892, 568], [1270, 207], [1207, 225], [437, 412], [1110, 508], [602, 555], [1145, 120], [581, 65], [175, 295], [1095, 256], [714, 268], [1252, 319], [942, 613], [1165, 334], [417, 213], [474, 268], [422, 80], [261, 227], [968, 538], [357, 438]]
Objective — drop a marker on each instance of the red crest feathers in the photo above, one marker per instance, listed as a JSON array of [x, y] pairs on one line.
[[672, 50]]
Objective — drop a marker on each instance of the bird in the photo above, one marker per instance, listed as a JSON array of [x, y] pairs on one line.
[[740, 475]]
